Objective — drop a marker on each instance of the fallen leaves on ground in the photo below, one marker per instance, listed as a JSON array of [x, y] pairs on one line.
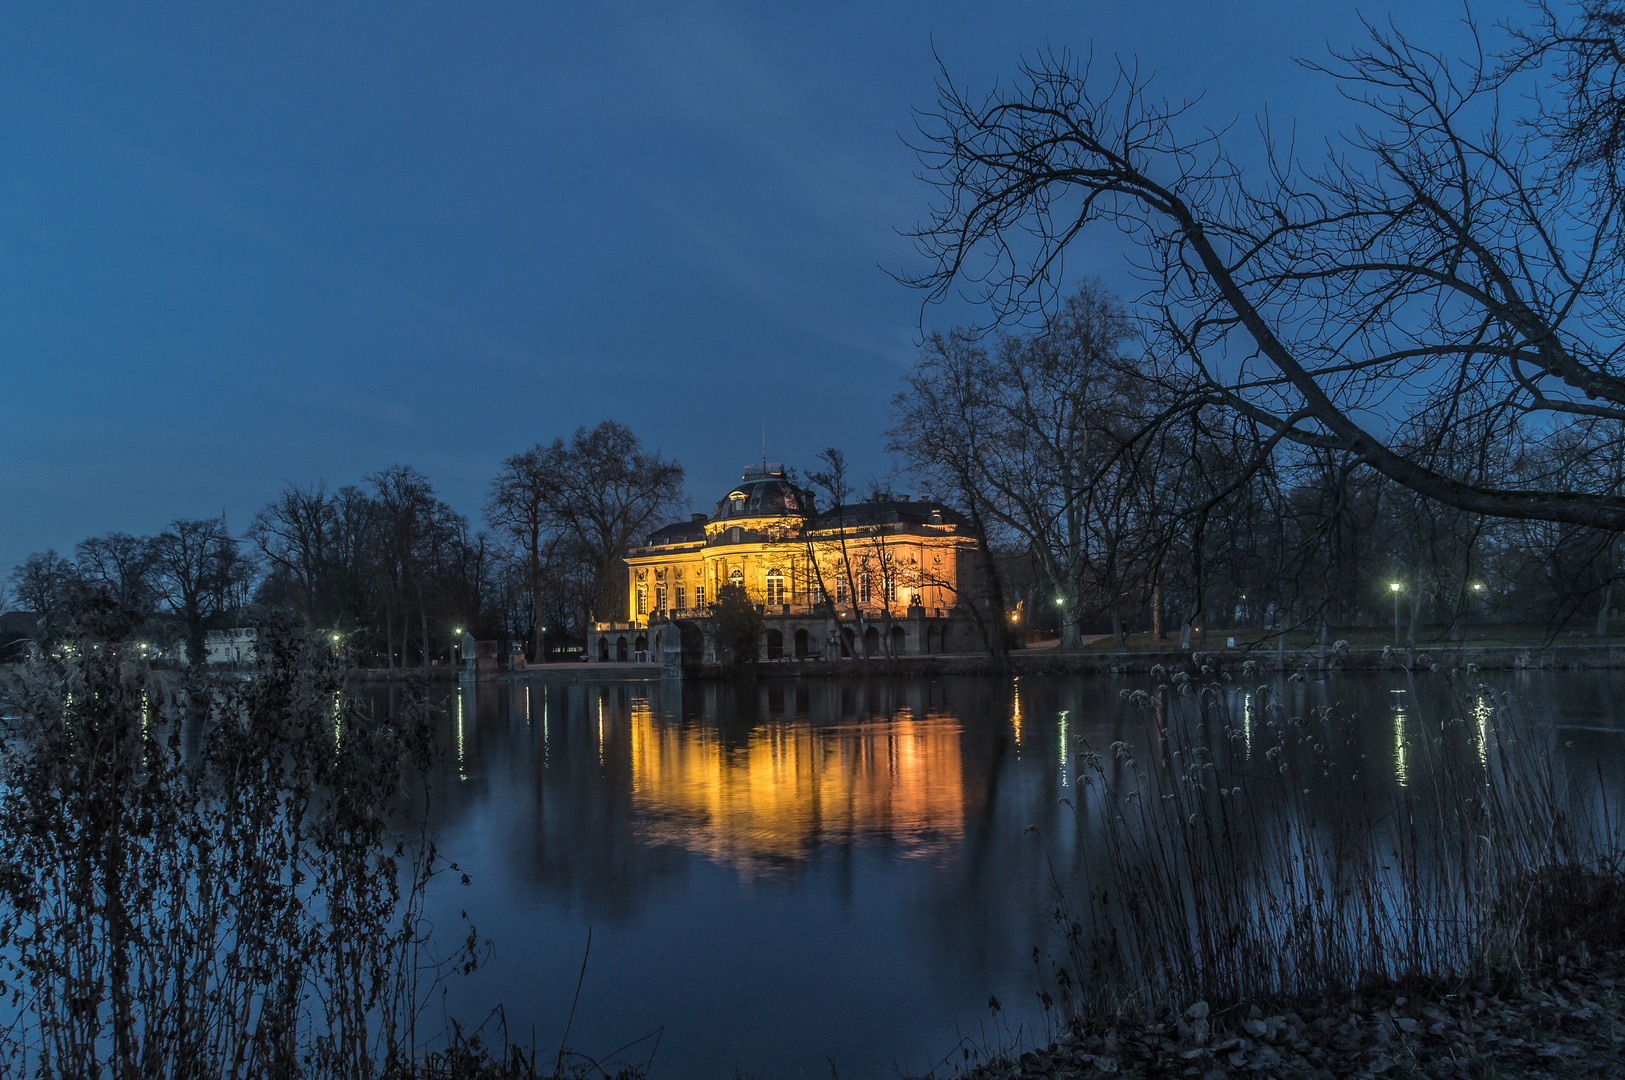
[[1569, 1022]]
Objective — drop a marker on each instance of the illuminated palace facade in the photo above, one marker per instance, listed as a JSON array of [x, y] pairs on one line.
[[885, 577]]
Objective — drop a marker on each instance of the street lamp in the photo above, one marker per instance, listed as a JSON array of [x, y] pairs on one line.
[[1394, 587], [456, 636]]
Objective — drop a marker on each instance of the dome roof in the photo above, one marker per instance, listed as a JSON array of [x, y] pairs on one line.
[[764, 491]]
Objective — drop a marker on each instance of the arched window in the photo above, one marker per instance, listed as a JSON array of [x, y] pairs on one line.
[[736, 576], [775, 587]]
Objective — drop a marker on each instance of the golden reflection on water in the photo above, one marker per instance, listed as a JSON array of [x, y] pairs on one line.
[[771, 801]]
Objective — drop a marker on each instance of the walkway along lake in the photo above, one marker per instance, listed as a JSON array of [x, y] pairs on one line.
[[794, 872]]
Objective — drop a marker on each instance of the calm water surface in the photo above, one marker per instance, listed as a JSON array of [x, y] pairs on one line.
[[796, 873]]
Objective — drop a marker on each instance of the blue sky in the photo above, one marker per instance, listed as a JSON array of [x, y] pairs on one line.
[[242, 245]]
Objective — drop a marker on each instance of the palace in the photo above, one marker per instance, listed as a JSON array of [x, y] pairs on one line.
[[890, 576]]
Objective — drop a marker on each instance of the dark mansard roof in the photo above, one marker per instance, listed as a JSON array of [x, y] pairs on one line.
[[891, 510], [691, 531], [764, 491]]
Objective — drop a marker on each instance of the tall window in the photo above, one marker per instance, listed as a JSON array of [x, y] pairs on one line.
[[660, 598], [775, 588], [699, 596], [643, 599], [679, 604], [863, 588], [736, 576], [840, 589]]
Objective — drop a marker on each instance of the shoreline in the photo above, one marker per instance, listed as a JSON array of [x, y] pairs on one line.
[[1566, 1019], [1234, 662]]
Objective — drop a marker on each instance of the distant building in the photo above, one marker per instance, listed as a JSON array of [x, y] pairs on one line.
[[234, 646], [901, 567]]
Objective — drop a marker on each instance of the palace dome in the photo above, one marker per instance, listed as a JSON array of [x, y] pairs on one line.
[[764, 491]]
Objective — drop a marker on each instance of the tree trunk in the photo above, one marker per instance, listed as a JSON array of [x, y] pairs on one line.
[[423, 625], [1071, 630], [1602, 610], [389, 637], [196, 639], [539, 645], [996, 635], [1117, 628], [1158, 630]]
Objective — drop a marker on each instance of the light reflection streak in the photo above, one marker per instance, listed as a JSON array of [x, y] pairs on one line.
[[1247, 723], [1061, 738], [761, 806], [1015, 713], [1401, 768], [1481, 719], [461, 773]]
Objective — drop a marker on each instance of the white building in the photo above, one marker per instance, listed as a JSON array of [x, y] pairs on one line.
[[234, 646]]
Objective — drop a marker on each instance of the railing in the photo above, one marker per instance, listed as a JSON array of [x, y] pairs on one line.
[[612, 627]]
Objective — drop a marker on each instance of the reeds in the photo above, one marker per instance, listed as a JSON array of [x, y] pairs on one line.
[[202, 875], [1247, 852]]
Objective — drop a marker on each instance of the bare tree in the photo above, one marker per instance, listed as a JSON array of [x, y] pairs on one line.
[[1032, 436], [833, 545], [293, 532], [938, 425], [605, 490], [122, 565], [411, 523], [1456, 240], [44, 584], [194, 558], [521, 504]]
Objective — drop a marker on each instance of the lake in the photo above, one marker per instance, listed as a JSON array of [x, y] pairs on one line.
[[794, 875]]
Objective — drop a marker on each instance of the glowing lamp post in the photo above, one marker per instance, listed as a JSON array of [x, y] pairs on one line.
[[1394, 588], [456, 636]]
